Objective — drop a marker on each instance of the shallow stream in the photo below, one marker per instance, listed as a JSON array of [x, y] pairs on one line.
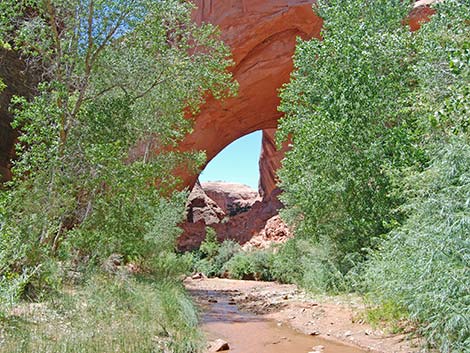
[[249, 333]]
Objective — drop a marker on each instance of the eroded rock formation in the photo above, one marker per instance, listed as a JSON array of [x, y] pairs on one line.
[[274, 232], [201, 208], [241, 222], [232, 198], [269, 163], [262, 36]]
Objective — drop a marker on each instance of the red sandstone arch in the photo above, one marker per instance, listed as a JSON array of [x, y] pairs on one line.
[[262, 35]]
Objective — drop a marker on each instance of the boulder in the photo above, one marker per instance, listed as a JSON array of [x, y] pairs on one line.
[[274, 232], [202, 208], [232, 198], [218, 345]]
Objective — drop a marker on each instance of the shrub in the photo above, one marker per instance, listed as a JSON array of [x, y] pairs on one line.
[[424, 266], [212, 256], [94, 171], [348, 111], [210, 246], [251, 265], [307, 264], [105, 315]]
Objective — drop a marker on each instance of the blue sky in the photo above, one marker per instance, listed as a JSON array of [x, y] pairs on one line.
[[238, 162]]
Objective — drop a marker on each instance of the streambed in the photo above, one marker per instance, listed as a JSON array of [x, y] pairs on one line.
[[249, 333]]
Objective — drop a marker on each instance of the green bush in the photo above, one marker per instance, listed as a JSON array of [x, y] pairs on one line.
[[93, 175], [227, 250], [212, 256], [308, 265], [241, 267], [349, 112], [210, 246], [252, 265], [424, 266]]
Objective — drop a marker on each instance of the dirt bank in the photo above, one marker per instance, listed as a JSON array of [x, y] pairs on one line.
[[335, 319]]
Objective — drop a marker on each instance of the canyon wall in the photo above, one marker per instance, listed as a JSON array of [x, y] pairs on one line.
[[19, 80]]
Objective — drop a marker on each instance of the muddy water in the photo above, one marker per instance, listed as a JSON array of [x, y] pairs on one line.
[[248, 333]]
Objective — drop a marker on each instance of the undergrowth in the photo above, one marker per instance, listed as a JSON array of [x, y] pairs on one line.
[[122, 313]]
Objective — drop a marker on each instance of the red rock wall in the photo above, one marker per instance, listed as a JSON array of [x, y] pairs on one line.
[[19, 81], [269, 163], [241, 227]]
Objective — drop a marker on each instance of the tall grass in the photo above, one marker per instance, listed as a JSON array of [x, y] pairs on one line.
[[124, 314]]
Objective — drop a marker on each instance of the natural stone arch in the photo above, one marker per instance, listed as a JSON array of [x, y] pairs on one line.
[[262, 35]]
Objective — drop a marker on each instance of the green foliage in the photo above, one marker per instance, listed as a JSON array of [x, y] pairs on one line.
[[212, 256], [444, 71], [349, 112], [210, 246], [252, 265], [379, 121], [122, 314], [387, 314], [94, 170], [424, 265]]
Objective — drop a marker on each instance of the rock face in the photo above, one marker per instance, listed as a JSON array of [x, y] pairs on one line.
[[232, 198], [269, 163], [239, 223], [19, 81], [262, 36], [274, 232], [201, 208]]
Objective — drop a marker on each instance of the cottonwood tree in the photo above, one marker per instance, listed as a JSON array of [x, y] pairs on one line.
[[118, 79], [349, 111]]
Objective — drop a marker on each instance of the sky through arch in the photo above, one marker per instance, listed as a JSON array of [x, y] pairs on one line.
[[238, 162]]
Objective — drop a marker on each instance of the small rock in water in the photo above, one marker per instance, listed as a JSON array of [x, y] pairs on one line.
[[218, 345], [317, 349]]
